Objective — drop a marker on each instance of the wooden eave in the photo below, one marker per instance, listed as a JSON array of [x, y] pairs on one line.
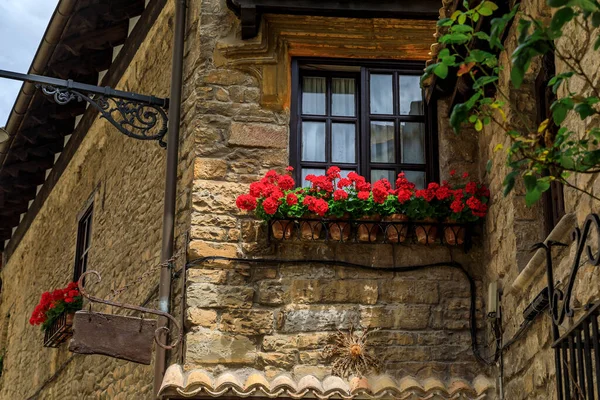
[[82, 47], [250, 11]]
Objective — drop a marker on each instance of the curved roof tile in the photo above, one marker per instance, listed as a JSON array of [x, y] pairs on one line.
[[249, 382]]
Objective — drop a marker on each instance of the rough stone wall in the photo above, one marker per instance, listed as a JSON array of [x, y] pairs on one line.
[[512, 229], [126, 179], [278, 317]]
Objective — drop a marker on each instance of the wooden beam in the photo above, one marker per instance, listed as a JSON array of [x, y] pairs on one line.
[[97, 39], [29, 166], [250, 11]]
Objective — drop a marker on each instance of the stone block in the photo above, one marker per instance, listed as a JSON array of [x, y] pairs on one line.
[[409, 291], [319, 318], [207, 295], [258, 135], [334, 291], [199, 249], [227, 77], [391, 338], [199, 317], [212, 347], [314, 340], [285, 360], [401, 316], [313, 357], [271, 293], [210, 233], [206, 275], [216, 197], [280, 343], [247, 322], [209, 168]]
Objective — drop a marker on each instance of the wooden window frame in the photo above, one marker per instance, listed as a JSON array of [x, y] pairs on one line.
[[363, 117], [84, 240]]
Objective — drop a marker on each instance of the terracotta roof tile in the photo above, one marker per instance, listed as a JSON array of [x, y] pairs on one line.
[[246, 382]]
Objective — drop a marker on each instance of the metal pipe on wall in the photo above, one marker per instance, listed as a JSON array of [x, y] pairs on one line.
[[168, 232]]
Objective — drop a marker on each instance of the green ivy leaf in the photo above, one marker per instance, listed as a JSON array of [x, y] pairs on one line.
[[584, 110], [461, 29], [445, 22], [441, 70], [460, 113], [596, 19], [561, 17], [509, 182], [462, 18], [597, 44], [485, 11]]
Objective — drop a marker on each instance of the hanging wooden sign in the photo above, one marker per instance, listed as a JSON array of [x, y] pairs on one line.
[[118, 336]]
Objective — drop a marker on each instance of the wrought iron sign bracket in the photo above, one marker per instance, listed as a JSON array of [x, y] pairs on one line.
[[560, 302], [137, 116]]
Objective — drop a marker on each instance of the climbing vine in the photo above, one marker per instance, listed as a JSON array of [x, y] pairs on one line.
[[538, 154]]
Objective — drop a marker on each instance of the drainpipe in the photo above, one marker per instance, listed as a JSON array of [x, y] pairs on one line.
[[168, 232]]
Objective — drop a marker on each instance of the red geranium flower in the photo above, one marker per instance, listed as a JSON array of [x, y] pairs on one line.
[[340, 195], [291, 199], [363, 195], [471, 188], [333, 173], [270, 205], [246, 202], [404, 195], [286, 182]]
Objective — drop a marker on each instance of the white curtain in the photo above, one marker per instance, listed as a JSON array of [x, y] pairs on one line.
[[313, 95], [343, 93]]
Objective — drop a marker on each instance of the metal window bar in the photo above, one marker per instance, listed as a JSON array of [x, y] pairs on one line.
[[578, 359], [371, 231]]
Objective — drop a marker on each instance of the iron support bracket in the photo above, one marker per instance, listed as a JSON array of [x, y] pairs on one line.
[[137, 116]]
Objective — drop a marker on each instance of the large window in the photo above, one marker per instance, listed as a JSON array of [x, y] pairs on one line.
[[84, 241], [369, 118]]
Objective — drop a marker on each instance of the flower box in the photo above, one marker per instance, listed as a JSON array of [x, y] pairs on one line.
[[396, 232], [350, 209], [55, 313], [60, 330]]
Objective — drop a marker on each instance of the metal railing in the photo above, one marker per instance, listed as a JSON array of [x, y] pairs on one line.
[[578, 359]]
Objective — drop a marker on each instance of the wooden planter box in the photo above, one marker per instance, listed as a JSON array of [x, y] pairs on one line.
[[59, 331]]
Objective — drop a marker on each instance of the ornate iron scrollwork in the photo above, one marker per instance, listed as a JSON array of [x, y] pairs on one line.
[[560, 302], [135, 119]]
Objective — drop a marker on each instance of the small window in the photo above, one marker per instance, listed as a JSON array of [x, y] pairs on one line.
[[367, 118], [553, 200], [84, 242]]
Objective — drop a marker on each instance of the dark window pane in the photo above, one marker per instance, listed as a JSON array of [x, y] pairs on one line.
[[377, 174], [416, 177], [313, 141], [343, 142], [412, 135], [382, 94], [411, 96], [382, 142], [310, 171], [313, 95], [343, 103]]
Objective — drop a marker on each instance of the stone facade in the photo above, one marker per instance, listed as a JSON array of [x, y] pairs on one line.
[[529, 371], [273, 316], [125, 179], [278, 317]]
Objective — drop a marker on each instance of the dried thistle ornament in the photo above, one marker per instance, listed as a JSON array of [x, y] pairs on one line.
[[350, 354]]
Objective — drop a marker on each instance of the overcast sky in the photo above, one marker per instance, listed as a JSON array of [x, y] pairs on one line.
[[22, 25]]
